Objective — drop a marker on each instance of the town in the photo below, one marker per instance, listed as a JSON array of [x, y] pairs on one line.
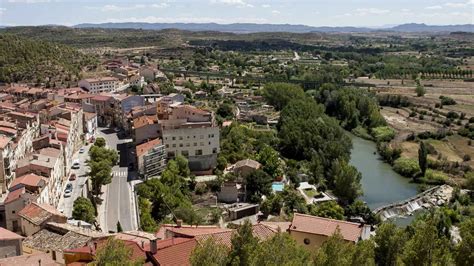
[[148, 146]]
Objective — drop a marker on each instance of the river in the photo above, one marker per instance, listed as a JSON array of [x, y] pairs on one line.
[[381, 185]]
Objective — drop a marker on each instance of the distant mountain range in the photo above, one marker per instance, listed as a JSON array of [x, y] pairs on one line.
[[252, 27]]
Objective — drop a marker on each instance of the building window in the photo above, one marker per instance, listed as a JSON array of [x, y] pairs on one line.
[[174, 145], [306, 241], [185, 153], [214, 150], [174, 138], [167, 146], [181, 145], [171, 154], [180, 138], [198, 152]]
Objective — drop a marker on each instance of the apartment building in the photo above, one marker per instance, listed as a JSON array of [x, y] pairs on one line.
[[100, 85], [192, 133], [151, 158]]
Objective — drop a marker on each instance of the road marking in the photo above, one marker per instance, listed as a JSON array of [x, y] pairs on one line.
[[122, 173]]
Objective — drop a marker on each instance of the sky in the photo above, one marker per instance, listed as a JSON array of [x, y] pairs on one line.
[[368, 13]]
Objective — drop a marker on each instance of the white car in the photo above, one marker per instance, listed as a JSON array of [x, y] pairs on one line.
[[82, 150], [76, 165], [67, 194]]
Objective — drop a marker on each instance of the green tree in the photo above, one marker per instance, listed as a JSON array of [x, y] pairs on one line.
[[335, 251], [99, 142], [83, 210], [364, 253], [347, 185], [281, 249], [420, 89], [280, 94], [119, 227], [270, 160], [464, 255], [389, 240], [100, 174], [114, 252], [244, 245], [257, 184], [225, 111], [147, 223], [328, 209], [209, 253], [293, 200], [425, 247], [423, 158]]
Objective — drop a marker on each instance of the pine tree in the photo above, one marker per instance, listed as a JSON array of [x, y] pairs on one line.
[[422, 158]]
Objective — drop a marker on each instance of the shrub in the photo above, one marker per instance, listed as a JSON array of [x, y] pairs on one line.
[[433, 176], [466, 157], [447, 100], [452, 115], [406, 166], [383, 133]]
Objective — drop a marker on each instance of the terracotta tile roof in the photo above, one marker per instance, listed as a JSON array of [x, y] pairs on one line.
[[8, 130], [260, 231], [138, 253], [45, 240], [8, 235], [31, 180], [177, 254], [38, 213], [101, 98], [326, 227], [30, 260], [51, 152], [144, 120], [14, 195], [190, 231], [275, 226], [145, 147]]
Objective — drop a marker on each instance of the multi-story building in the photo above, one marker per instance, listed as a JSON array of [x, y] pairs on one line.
[[100, 85], [191, 132], [151, 158]]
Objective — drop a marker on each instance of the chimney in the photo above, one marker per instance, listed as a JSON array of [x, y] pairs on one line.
[[153, 246], [179, 222]]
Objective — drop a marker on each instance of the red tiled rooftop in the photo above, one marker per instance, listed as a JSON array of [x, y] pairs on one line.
[[14, 195], [38, 213], [4, 141], [144, 120], [31, 180], [8, 235], [326, 227], [177, 254], [145, 147], [30, 260], [189, 230], [101, 98]]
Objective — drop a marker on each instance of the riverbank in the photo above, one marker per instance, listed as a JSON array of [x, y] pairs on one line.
[[380, 183]]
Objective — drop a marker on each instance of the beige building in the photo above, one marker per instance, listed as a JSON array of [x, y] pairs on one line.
[[99, 85], [312, 231], [151, 158], [35, 216], [10, 244]]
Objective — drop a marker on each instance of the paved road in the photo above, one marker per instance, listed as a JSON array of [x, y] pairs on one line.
[[119, 203], [65, 204]]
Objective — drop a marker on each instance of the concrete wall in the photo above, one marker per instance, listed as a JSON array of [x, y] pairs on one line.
[[10, 248]]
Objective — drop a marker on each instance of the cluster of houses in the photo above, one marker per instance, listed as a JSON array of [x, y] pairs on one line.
[[51, 241]]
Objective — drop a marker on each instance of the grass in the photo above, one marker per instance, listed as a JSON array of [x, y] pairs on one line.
[[310, 193], [383, 133]]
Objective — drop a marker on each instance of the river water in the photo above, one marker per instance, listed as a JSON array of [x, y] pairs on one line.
[[381, 185]]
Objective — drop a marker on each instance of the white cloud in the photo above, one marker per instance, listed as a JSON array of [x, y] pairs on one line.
[[193, 19], [237, 3], [266, 6], [371, 11], [276, 12], [433, 7], [160, 5], [29, 1], [459, 4]]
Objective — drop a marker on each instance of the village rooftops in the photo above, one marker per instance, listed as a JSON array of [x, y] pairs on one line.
[[326, 227], [248, 162], [147, 146], [144, 121], [38, 213], [39, 258], [189, 230], [178, 253], [14, 195], [8, 235], [30, 180], [102, 98], [46, 240]]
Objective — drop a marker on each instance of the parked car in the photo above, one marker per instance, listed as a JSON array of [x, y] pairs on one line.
[[76, 165], [68, 187], [72, 177], [67, 194], [82, 150]]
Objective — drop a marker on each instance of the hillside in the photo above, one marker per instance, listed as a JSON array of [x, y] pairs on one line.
[[27, 60]]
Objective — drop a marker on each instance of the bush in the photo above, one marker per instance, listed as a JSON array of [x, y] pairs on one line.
[[383, 133], [433, 176], [452, 115], [406, 166], [466, 157], [447, 100]]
